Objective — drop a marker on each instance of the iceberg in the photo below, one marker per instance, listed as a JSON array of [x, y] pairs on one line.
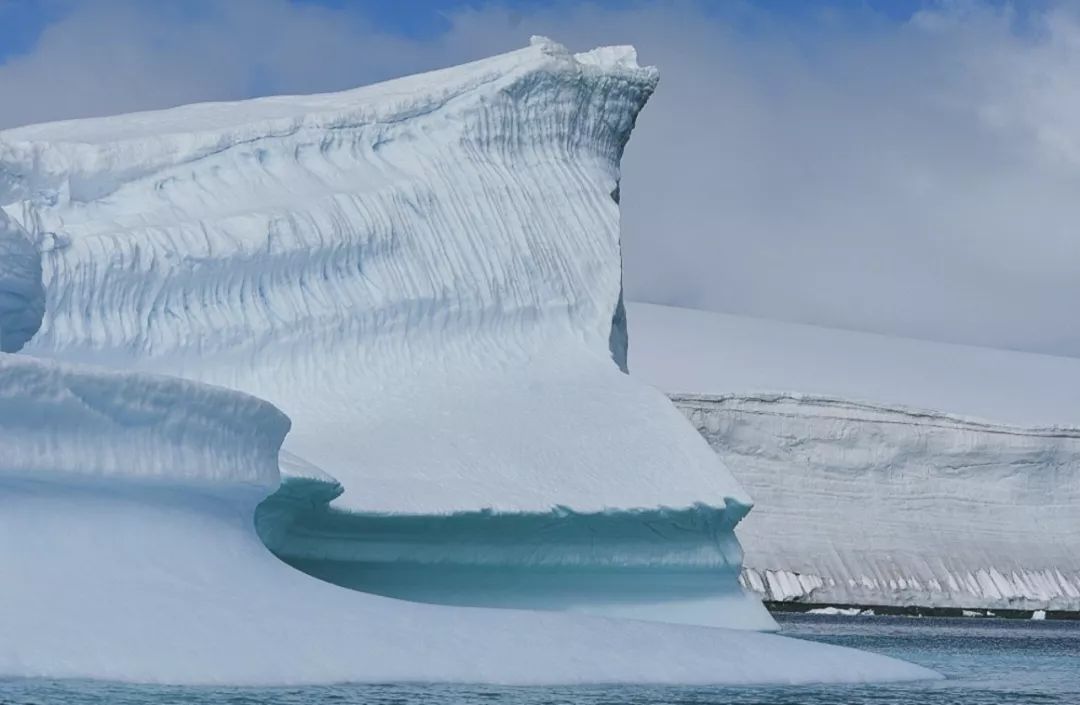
[[893, 501], [393, 329], [425, 276]]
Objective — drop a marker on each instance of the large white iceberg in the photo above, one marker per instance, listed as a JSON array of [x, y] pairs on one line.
[[891, 501], [425, 275]]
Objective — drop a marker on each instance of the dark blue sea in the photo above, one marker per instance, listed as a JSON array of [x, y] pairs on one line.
[[985, 661]]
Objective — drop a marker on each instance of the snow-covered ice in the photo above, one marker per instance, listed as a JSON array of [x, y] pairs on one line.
[[687, 351], [882, 501]]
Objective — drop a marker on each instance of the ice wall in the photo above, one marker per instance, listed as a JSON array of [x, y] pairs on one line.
[[869, 504], [425, 275], [882, 503], [129, 553]]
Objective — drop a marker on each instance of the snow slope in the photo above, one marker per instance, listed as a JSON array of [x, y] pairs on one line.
[[687, 351], [425, 276], [128, 546], [877, 502]]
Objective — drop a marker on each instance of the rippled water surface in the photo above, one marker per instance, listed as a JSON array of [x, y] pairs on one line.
[[986, 661]]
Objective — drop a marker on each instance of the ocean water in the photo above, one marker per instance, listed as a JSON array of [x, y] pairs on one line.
[[986, 662]]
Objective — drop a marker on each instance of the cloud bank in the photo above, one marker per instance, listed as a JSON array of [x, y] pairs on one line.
[[916, 177]]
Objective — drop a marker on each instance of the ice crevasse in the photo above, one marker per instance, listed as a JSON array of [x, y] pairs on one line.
[[415, 287]]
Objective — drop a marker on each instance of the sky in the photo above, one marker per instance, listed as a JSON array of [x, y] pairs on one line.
[[903, 167]]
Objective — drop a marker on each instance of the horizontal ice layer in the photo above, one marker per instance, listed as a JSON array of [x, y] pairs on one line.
[[140, 562], [665, 565], [879, 503]]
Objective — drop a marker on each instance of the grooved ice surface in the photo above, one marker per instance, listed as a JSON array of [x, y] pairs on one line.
[[423, 274], [22, 299], [129, 553], [880, 503]]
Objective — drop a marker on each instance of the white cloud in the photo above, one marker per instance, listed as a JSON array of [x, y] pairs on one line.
[[918, 178]]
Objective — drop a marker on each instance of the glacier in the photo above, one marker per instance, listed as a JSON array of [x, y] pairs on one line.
[[876, 477], [129, 552]]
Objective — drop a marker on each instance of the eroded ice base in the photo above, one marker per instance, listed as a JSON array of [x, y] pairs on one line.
[[665, 565], [141, 584]]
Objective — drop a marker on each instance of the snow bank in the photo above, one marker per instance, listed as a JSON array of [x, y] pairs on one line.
[[880, 503], [134, 557]]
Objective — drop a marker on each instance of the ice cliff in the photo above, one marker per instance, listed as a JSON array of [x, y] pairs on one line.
[[425, 276], [937, 510], [884, 502]]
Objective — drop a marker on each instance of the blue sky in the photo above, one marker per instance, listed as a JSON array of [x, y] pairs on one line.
[[22, 21], [902, 167]]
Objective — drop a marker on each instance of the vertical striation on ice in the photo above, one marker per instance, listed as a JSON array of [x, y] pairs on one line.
[[22, 297], [950, 512]]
